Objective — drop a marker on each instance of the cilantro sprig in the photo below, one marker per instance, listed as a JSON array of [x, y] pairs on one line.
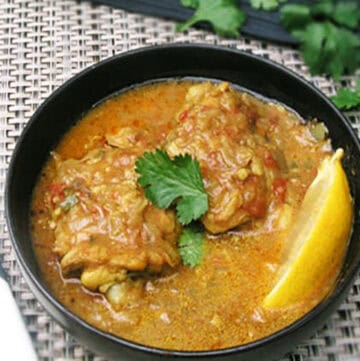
[[328, 30], [347, 99], [191, 246], [224, 15], [324, 30], [177, 180]]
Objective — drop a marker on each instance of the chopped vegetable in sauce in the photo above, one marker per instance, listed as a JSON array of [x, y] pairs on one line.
[[69, 202], [319, 131]]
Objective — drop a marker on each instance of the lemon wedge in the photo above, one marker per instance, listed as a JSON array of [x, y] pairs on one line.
[[318, 237]]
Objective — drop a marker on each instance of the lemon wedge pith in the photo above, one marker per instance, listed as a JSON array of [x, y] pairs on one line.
[[318, 237]]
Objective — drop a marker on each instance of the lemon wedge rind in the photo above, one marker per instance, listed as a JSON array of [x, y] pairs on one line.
[[318, 237]]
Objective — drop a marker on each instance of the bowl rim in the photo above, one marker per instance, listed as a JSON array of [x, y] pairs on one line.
[[47, 294]]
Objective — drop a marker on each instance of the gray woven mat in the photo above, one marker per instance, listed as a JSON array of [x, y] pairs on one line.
[[45, 42]]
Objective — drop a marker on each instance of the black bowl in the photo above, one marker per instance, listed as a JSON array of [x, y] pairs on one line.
[[66, 105]]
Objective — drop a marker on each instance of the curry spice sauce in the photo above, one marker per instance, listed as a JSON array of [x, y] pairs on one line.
[[217, 304]]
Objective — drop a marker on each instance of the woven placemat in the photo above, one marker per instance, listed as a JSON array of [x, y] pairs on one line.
[[45, 42]]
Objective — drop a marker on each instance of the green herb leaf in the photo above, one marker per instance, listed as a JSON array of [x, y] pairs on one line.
[[329, 49], [295, 16], [224, 15], [347, 13], [347, 99], [322, 9], [191, 246], [267, 5], [167, 180]]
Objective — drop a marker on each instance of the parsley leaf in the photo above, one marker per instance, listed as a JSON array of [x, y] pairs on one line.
[[191, 246], [224, 15], [267, 5], [167, 180], [347, 99]]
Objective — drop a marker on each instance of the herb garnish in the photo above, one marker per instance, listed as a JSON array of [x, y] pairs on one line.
[[167, 180], [191, 246], [346, 98], [224, 15], [324, 30]]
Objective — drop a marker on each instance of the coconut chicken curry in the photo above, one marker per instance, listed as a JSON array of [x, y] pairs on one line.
[[163, 216]]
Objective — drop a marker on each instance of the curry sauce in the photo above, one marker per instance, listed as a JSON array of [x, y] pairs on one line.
[[257, 159]]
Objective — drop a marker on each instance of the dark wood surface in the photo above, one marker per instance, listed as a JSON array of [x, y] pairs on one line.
[[259, 24]]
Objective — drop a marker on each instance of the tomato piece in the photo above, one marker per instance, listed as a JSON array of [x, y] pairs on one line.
[[236, 110], [56, 193], [279, 187], [57, 190], [269, 161], [274, 122], [183, 115], [229, 132]]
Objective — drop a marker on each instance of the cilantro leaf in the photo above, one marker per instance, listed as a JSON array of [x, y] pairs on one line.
[[329, 49], [322, 9], [295, 16], [323, 29], [191, 246], [267, 5], [167, 180], [347, 13], [347, 99], [224, 15]]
